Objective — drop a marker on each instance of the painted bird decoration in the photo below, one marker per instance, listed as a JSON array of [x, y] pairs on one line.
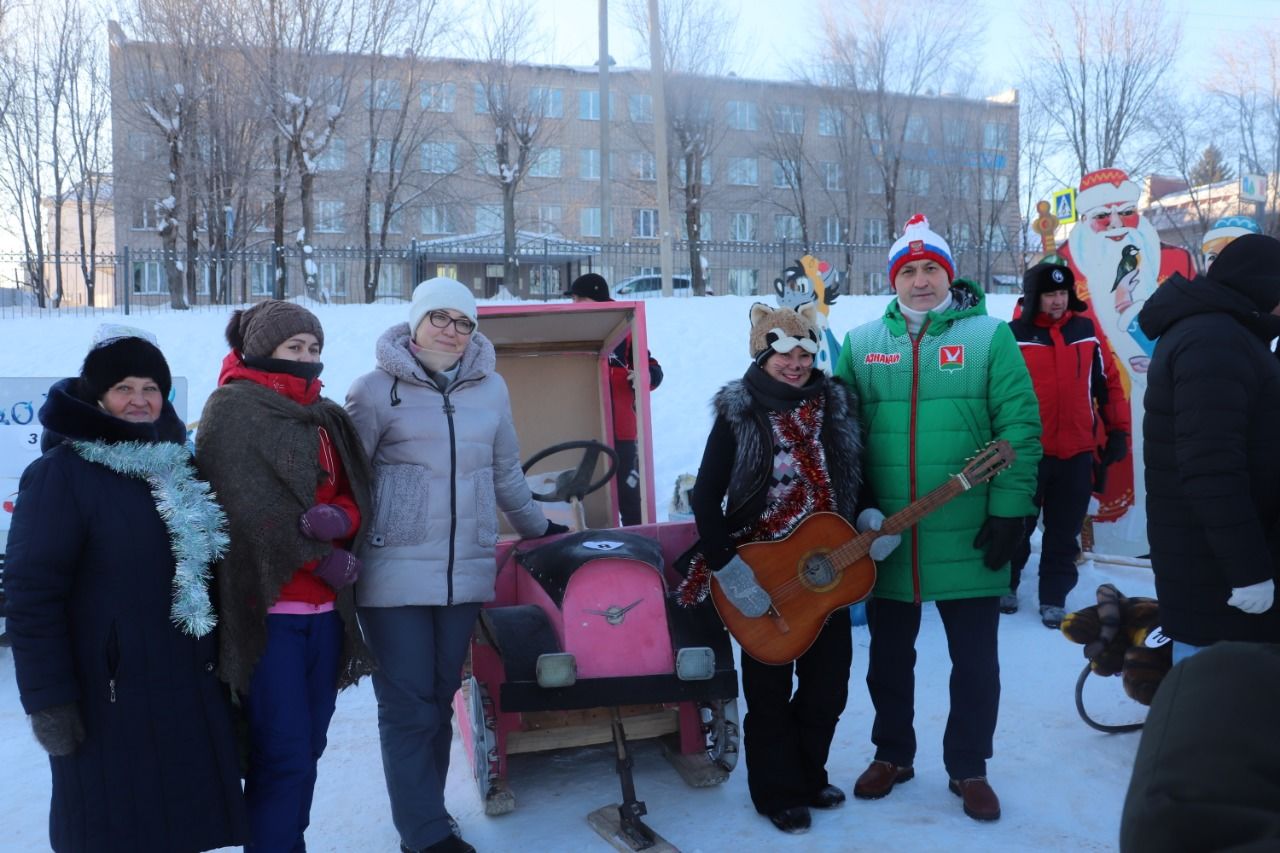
[[1128, 265]]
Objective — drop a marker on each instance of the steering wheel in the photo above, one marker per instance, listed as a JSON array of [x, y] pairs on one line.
[[576, 483]]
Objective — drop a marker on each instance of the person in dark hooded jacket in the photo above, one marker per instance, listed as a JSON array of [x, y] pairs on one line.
[[1211, 456]]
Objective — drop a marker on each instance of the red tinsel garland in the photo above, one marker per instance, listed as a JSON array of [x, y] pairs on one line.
[[809, 492]]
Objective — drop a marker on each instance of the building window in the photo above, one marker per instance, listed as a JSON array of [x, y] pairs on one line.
[[379, 152], [830, 122], [871, 123], [643, 166], [833, 176], [832, 229], [786, 226], [644, 222], [704, 226], [486, 161], [148, 277], [488, 98], [439, 158], [996, 238], [995, 187], [744, 171], [334, 156], [995, 136], [146, 215], [743, 282], [875, 282], [375, 220], [548, 219], [742, 115], [954, 132], [786, 173], [875, 232], [589, 164], [391, 280], [641, 108], [546, 164], [437, 219], [332, 277], [145, 146], [742, 227], [875, 180], [917, 129], [546, 101], [916, 181], [383, 94], [707, 172], [329, 214], [589, 221], [589, 104], [439, 97], [488, 218], [788, 119], [265, 215], [261, 276]]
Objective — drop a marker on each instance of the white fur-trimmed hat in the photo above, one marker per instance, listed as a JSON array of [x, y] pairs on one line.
[[1106, 186], [437, 293]]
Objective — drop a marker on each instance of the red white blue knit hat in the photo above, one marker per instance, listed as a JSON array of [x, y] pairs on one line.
[[918, 243]]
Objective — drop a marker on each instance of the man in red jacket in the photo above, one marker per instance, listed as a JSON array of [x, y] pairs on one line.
[[1076, 384], [592, 287]]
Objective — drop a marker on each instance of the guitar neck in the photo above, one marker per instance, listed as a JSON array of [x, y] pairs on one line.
[[856, 549]]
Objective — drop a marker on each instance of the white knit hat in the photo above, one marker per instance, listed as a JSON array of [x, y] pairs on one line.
[[437, 293], [917, 243]]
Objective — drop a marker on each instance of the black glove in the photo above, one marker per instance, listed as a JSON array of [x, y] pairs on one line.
[[1117, 447], [339, 568], [554, 529], [998, 538], [58, 728]]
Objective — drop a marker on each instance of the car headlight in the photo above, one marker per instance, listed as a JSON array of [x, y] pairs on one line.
[[695, 663], [557, 669]]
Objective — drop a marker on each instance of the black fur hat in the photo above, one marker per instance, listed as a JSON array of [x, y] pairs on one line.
[[115, 358], [1046, 277]]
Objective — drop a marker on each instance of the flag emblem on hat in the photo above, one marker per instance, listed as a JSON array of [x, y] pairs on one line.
[[951, 357], [917, 247]]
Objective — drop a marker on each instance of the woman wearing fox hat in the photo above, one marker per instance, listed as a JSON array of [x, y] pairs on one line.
[[785, 443]]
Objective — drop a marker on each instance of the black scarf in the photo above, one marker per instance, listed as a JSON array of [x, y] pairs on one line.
[[779, 396]]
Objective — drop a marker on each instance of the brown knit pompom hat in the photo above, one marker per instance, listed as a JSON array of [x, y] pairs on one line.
[[256, 332]]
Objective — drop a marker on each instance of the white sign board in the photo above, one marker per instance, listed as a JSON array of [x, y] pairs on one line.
[[1253, 188], [20, 400]]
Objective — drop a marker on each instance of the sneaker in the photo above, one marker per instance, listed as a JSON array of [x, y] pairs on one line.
[[1052, 616], [828, 798], [1009, 602], [980, 802], [794, 820], [879, 778]]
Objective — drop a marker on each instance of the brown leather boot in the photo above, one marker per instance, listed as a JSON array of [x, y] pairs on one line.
[[879, 778], [980, 802]]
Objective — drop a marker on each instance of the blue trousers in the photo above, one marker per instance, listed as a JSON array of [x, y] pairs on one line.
[[291, 699], [971, 626], [420, 651]]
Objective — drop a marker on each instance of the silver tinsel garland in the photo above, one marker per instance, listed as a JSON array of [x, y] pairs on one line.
[[197, 525]]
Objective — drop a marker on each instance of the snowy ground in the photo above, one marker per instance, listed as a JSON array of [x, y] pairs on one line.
[[1061, 783]]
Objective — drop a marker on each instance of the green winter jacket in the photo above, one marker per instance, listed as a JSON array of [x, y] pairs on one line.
[[927, 406]]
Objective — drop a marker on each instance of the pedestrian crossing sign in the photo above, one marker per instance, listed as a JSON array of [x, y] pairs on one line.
[[1064, 206]]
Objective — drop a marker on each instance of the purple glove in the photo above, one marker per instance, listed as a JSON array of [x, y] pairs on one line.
[[324, 522], [338, 569]]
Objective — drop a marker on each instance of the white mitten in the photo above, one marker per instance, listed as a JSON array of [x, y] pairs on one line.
[[1254, 598], [882, 546]]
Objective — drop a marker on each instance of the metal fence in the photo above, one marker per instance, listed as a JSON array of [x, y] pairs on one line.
[[134, 281]]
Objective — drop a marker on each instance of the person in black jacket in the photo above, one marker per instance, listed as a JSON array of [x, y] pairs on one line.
[[786, 442], [107, 577], [1211, 456]]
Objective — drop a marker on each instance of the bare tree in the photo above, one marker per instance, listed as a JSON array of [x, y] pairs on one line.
[[698, 37], [88, 112], [518, 110], [793, 170], [1184, 128], [1248, 87], [25, 129], [1098, 69], [887, 58]]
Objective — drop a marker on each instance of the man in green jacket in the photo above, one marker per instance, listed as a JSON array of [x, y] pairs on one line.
[[937, 379]]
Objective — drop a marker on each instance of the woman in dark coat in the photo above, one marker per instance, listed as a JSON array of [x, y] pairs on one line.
[[109, 615], [295, 483], [786, 443]]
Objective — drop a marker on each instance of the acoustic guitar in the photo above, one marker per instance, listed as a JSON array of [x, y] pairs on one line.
[[823, 565]]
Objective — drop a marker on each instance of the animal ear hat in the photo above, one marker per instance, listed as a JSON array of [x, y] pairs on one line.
[[782, 330]]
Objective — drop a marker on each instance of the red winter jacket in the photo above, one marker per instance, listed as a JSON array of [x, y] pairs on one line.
[[333, 486], [623, 393], [1075, 380]]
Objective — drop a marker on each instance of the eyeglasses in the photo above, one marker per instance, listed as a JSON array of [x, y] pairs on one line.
[[441, 320]]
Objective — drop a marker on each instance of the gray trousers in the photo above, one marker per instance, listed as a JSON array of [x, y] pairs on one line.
[[420, 651]]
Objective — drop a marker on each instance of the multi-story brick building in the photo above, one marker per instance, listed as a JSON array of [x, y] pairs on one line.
[[787, 166]]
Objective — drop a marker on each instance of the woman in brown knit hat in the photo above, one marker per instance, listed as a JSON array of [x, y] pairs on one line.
[[288, 467]]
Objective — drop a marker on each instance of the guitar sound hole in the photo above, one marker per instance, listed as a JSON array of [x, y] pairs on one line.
[[819, 572]]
